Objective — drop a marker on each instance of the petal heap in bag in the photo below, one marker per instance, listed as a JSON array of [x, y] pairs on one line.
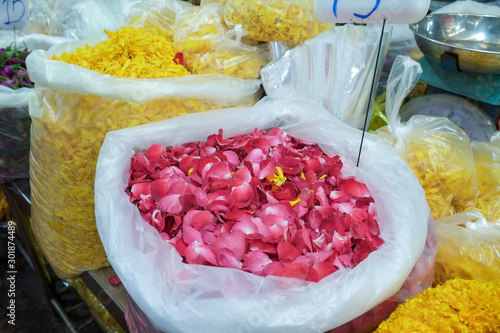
[[438, 151], [456, 306], [180, 297], [76, 106], [264, 202], [468, 248], [487, 159], [291, 22]]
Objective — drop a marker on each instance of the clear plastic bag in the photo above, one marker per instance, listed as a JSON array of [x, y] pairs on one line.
[[209, 46], [438, 151], [291, 22], [178, 297], [335, 69], [469, 248], [487, 158], [74, 109]]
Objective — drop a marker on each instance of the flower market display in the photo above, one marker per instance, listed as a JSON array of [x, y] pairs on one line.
[[15, 122], [456, 306], [85, 90], [264, 202], [195, 237]]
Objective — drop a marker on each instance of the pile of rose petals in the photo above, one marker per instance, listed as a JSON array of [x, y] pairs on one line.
[[264, 202]]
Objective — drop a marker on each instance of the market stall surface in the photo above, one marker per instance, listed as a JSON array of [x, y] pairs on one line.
[[33, 313]]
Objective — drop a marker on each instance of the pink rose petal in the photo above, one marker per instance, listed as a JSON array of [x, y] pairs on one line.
[[170, 204], [255, 261], [200, 254], [227, 258]]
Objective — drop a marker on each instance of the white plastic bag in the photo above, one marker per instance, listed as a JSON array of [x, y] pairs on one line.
[[179, 297], [335, 69]]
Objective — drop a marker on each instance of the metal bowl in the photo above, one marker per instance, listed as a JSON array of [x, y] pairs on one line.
[[464, 42]]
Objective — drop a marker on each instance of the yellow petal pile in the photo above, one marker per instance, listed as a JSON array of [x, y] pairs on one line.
[[291, 22], [444, 166], [210, 47], [456, 306], [487, 159], [129, 52], [67, 134]]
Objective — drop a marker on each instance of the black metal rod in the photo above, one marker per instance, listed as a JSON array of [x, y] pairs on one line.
[[371, 92]]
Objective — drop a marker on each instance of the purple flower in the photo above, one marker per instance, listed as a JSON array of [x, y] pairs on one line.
[[14, 61], [9, 84], [8, 70]]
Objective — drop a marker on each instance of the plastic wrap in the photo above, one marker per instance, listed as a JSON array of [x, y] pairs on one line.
[[14, 133], [178, 297], [334, 69], [469, 248], [291, 22], [438, 151], [74, 109], [209, 46], [487, 159]]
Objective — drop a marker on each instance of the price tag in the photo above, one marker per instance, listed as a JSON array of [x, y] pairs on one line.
[[13, 14], [371, 11]]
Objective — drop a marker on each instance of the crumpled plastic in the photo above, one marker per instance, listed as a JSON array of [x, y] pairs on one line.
[[438, 151], [468, 248], [73, 110], [335, 69], [209, 46], [487, 159], [178, 297]]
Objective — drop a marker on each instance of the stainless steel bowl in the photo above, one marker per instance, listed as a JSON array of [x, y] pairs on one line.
[[468, 42]]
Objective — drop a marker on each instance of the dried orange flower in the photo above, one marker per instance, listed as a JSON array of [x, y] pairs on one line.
[[456, 306], [129, 52], [291, 22]]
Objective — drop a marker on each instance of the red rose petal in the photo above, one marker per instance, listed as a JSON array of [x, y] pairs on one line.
[[259, 245], [159, 188], [295, 270], [255, 261], [199, 218], [114, 280], [235, 241], [155, 152], [140, 189], [227, 258], [324, 269], [355, 188], [170, 204], [287, 252], [201, 254]]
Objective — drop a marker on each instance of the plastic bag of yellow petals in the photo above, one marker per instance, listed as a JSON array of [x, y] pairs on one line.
[[209, 46], [290, 22], [438, 151], [468, 248], [487, 158], [74, 109], [200, 33]]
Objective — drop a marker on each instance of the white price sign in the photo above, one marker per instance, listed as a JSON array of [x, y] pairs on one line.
[[13, 14], [371, 11]]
